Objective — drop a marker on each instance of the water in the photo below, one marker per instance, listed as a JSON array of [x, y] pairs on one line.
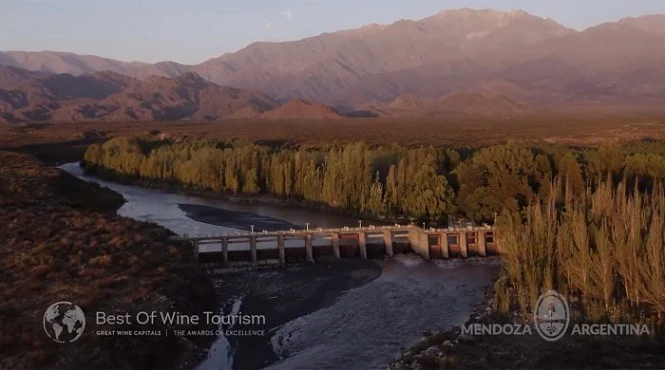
[[369, 326], [365, 328], [220, 354], [145, 204]]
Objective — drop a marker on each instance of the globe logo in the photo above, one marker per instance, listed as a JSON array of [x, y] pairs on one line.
[[64, 322], [551, 316]]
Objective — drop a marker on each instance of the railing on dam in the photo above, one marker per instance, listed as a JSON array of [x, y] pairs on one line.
[[288, 246]]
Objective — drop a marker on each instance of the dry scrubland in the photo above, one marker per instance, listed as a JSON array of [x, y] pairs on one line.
[[61, 240], [576, 129]]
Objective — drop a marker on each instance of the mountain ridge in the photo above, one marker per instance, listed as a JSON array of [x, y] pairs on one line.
[[108, 96], [534, 59]]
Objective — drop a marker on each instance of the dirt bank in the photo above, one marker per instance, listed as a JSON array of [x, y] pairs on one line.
[[453, 349]]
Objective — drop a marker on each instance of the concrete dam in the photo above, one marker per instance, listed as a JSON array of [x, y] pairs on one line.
[[306, 246]]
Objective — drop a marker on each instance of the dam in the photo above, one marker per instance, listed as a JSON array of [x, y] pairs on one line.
[[252, 249]]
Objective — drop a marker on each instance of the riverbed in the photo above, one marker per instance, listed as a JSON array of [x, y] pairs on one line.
[[330, 315]]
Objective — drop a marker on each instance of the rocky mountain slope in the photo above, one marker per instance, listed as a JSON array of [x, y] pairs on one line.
[[302, 109], [466, 103], [109, 96], [76, 64]]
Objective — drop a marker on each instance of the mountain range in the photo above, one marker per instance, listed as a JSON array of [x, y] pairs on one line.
[[465, 61]]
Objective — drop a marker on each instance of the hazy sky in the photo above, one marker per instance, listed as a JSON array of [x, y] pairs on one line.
[[190, 31]]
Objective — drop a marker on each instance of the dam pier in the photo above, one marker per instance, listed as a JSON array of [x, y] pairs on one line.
[[252, 249]]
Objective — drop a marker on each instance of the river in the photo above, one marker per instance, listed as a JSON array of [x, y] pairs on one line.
[[364, 327]]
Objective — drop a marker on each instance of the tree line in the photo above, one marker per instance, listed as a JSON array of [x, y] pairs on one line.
[[602, 247], [390, 181]]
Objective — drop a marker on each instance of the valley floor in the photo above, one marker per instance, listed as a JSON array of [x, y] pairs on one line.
[[48, 141], [58, 230]]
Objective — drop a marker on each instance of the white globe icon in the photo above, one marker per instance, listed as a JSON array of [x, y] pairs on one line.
[[64, 322]]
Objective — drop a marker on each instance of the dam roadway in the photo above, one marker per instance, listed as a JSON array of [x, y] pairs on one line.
[[297, 246]]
